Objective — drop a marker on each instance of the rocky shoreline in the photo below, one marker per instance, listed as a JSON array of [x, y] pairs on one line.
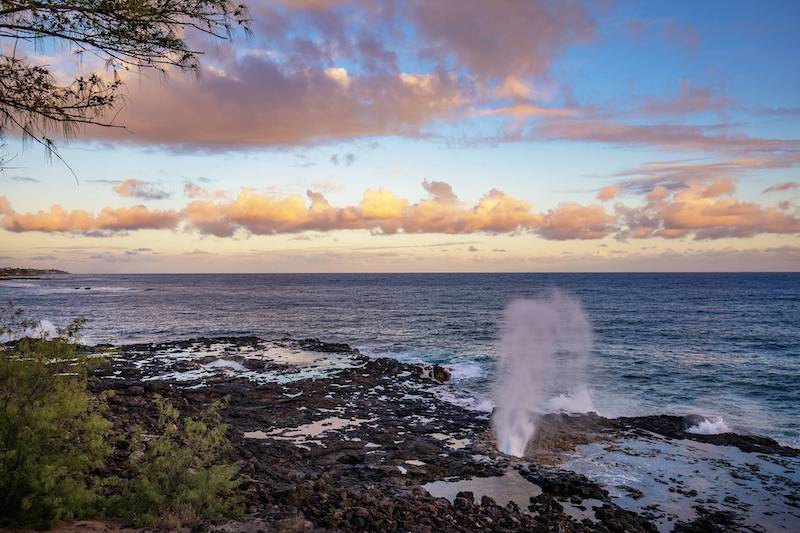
[[327, 439], [10, 273]]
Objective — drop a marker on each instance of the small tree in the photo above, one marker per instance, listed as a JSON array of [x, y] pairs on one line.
[[177, 475], [125, 34], [52, 430]]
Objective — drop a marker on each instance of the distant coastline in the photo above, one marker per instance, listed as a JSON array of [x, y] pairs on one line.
[[28, 273]]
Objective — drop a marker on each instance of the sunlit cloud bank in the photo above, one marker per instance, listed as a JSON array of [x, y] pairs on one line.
[[701, 209], [108, 221]]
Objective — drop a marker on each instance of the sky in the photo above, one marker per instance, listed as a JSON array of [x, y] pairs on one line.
[[418, 136]]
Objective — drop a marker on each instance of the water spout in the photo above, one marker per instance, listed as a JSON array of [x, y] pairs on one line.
[[542, 355]]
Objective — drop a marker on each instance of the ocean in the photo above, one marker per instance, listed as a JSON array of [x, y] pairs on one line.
[[723, 345]]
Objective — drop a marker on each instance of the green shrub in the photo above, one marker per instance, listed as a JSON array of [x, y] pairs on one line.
[[52, 431], [55, 440], [176, 476]]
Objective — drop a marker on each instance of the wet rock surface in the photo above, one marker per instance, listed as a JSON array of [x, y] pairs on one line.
[[327, 439]]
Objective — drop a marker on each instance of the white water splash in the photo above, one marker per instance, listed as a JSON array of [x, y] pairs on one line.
[[44, 329], [712, 425], [542, 354]]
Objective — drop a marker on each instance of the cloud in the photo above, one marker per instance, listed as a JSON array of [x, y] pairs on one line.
[[785, 186], [679, 137], [133, 188], [690, 99], [607, 193], [382, 211], [264, 102], [501, 39], [440, 190], [700, 211], [345, 159], [109, 220], [24, 179], [574, 221], [319, 71], [520, 111], [193, 190]]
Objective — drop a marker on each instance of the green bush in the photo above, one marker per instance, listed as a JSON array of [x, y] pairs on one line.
[[55, 441], [175, 475], [52, 431]]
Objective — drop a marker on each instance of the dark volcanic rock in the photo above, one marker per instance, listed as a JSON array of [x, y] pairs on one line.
[[675, 427], [329, 440], [434, 372]]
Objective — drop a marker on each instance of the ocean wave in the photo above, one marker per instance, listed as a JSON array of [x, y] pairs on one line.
[[466, 370], [712, 425], [471, 403], [18, 285], [100, 289], [44, 329], [42, 289]]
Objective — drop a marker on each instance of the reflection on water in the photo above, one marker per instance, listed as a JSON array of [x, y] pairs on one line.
[[510, 487]]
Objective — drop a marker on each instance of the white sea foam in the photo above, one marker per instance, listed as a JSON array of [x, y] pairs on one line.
[[17, 285], [44, 329], [578, 401], [712, 425], [542, 354], [226, 363], [466, 370], [462, 399]]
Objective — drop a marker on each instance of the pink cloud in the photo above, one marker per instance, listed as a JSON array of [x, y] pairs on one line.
[[500, 39], [133, 188], [440, 190], [690, 99], [260, 102], [341, 79]]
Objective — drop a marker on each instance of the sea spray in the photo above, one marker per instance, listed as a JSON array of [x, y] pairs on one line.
[[543, 349]]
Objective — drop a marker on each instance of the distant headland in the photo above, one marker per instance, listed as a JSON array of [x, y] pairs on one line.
[[27, 273]]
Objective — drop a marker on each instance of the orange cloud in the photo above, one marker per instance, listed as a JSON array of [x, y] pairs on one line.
[[659, 192], [573, 221], [528, 110], [379, 210], [607, 193], [59, 220], [698, 210]]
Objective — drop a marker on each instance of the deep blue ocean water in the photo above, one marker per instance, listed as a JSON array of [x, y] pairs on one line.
[[713, 344]]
